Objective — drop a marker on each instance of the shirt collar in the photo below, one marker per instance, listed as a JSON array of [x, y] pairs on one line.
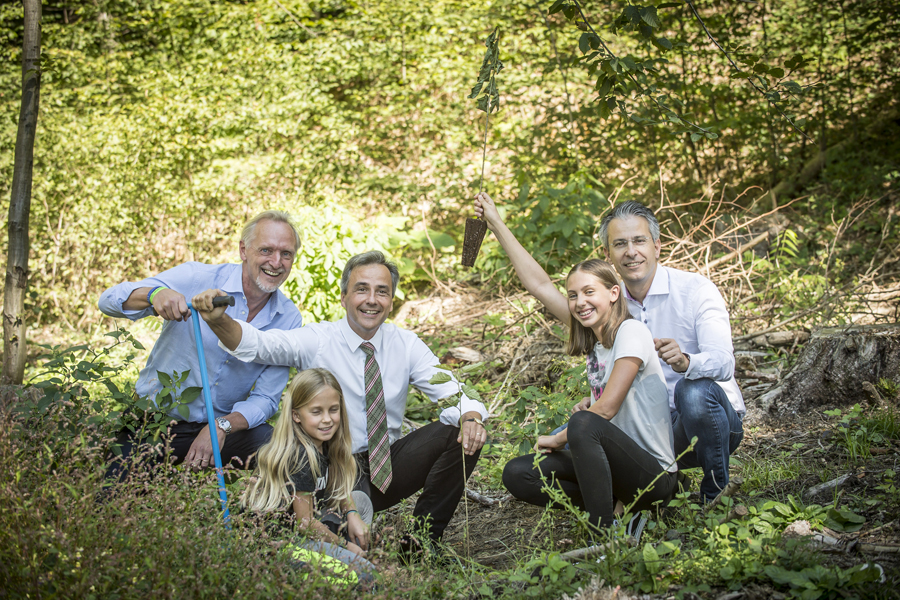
[[658, 287], [235, 285], [354, 341]]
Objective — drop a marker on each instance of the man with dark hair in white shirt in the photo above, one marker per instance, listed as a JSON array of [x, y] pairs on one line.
[[375, 363], [689, 321]]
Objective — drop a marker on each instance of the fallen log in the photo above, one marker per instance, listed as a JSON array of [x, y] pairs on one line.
[[832, 369]]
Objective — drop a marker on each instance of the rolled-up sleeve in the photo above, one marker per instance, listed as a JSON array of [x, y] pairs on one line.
[[423, 367], [262, 403], [178, 278], [715, 360]]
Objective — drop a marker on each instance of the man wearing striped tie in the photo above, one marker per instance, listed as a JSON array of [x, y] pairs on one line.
[[375, 364]]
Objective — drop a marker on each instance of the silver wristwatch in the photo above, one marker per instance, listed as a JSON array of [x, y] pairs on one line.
[[224, 424]]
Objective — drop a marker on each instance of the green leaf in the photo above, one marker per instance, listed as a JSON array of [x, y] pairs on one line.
[[776, 72], [651, 559], [556, 7], [633, 14], [650, 17], [662, 43], [471, 392], [184, 411], [439, 378], [584, 42], [190, 394], [604, 85], [630, 64], [696, 137], [164, 377]]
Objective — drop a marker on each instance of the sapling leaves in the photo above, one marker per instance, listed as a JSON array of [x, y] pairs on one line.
[[485, 90], [439, 378]]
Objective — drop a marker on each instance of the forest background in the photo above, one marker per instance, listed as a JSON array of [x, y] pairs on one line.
[[165, 124]]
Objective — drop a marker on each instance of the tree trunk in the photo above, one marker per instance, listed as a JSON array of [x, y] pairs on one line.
[[838, 366], [14, 350]]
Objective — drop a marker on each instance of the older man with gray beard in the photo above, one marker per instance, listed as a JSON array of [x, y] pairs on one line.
[[244, 395]]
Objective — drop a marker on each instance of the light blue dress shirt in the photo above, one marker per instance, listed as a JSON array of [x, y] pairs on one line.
[[250, 389]]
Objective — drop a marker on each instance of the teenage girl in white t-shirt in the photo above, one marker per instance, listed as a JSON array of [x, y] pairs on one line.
[[620, 439]]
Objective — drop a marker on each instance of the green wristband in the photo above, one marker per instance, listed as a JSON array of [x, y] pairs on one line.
[[155, 292]]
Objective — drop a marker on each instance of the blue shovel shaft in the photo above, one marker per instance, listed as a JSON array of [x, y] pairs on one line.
[[207, 397]]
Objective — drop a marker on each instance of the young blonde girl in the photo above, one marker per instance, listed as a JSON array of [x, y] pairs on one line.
[[619, 440], [306, 473]]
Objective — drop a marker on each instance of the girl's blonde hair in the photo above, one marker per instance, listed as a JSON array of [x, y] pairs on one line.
[[291, 449], [581, 338]]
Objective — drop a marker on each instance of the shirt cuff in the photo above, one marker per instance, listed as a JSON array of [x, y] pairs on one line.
[[248, 348], [251, 413], [452, 414]]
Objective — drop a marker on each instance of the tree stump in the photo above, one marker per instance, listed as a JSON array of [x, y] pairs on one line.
[[835, 368]]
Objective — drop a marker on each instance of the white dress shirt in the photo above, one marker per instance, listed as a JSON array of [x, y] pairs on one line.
[[402, 357], [689, 309]]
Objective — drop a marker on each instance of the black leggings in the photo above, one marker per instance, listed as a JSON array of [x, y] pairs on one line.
[[603, 465]]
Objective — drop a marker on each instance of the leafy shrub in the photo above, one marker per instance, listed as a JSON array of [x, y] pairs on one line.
[[558, 226]]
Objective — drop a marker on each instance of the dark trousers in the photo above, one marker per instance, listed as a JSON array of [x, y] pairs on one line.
[[428, 459], [603, 465], [237, 451]]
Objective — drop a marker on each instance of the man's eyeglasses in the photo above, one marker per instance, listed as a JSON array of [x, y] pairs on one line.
[[638, 242]]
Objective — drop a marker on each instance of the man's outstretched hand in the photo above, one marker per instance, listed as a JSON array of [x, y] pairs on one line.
[[203, 302]]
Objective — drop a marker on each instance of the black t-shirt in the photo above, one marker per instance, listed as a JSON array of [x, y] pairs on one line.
[[304, 481]]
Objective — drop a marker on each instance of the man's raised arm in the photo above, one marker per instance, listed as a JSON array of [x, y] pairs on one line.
[[226, 329]]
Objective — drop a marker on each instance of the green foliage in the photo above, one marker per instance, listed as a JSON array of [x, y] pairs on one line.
[[558, 226], [547, 576], [549, 409], [858, 432], [330, 237], [83, 399]]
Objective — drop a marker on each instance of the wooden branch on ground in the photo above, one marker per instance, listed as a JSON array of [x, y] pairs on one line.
[[738, 512], [598, 550], [733, 486], [755, 375], [828, 486], [485, 500]]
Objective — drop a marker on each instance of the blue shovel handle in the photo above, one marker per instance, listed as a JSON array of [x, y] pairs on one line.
[[210, 415]]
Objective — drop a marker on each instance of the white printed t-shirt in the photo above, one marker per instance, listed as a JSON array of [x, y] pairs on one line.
[[644, 415]]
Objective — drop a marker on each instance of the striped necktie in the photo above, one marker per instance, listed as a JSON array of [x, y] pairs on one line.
[[376, 420]]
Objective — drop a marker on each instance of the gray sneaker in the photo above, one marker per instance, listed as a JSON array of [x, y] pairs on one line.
[[636, 526]]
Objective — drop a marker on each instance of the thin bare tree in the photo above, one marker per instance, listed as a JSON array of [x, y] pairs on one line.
[[14, 349]]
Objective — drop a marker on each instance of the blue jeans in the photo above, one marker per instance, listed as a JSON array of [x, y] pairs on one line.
[[702, 410]]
